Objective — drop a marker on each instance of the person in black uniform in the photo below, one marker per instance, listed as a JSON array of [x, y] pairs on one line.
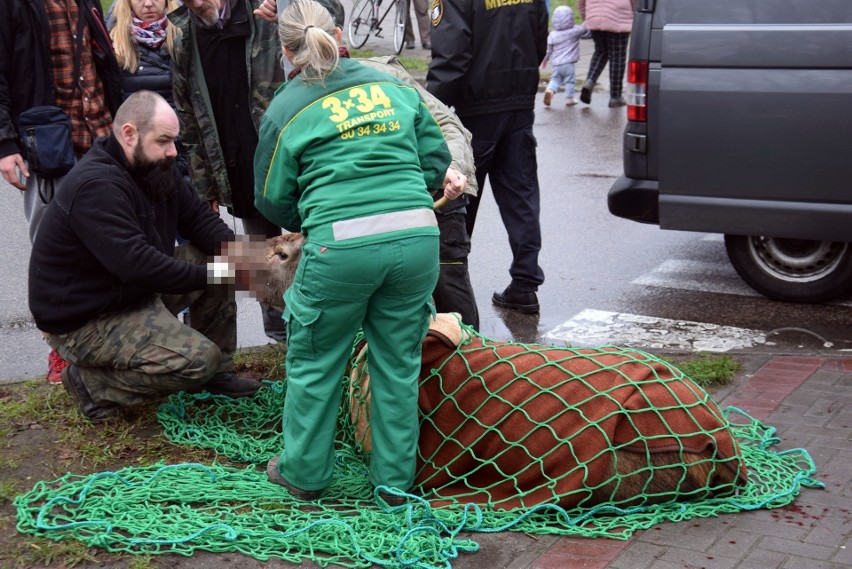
[[485, 61]]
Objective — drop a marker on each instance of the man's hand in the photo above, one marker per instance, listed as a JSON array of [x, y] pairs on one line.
[[214, 205], [267, 11], [454, 183], [10, 172]]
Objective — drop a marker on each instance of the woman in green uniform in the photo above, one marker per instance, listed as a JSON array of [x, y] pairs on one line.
[[346, 155]]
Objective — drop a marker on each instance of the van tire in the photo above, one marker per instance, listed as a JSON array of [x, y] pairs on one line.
[[792, 270]]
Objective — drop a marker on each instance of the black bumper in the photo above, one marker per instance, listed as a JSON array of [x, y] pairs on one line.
[[635, 199]]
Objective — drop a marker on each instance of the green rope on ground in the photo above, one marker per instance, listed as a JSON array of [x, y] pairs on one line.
[[189, 507], [184, 508]]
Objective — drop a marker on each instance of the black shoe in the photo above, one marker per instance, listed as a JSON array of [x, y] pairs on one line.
[[276, 478], [409, 45], [617, 102], [518, 299], [586, 91], [73, 384], [392, 499], [230, 384]]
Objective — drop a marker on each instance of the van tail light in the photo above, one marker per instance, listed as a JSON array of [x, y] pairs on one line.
[[637, 91]]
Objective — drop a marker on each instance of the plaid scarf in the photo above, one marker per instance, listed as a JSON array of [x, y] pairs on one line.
[[151, 34]]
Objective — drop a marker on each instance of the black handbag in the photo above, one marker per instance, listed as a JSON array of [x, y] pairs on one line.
[[47, 144], [45, 132]]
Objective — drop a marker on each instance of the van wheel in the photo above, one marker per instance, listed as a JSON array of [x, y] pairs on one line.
[[792, 270]]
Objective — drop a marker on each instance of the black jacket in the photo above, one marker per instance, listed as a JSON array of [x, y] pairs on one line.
[[152, 73], [25, 76], [486, 54], [102, 246]]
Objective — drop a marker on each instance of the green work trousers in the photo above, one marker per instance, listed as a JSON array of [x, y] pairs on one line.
[[384, 288]]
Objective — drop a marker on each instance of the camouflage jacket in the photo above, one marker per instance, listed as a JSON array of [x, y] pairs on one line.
[[192, 100], [457, 136]]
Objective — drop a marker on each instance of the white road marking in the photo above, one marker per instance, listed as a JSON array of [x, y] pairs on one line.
[[697, 276], [597, 327], [701, 276]]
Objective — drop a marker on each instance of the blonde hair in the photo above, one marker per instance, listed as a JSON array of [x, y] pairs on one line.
[[307, 30], [122, 39]]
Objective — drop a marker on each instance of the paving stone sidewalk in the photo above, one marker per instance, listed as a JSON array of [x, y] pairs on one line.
[[809, 401]]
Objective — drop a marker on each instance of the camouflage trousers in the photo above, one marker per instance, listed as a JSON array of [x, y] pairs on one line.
[[127, 358]]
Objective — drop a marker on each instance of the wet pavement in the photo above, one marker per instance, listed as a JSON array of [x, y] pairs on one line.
[[808, 398]]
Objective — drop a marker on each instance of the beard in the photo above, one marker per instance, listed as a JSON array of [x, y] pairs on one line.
[[156, 178], [209, 19], [208, 14]]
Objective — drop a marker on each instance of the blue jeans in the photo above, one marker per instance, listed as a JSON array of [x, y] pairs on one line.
[[563, 76]]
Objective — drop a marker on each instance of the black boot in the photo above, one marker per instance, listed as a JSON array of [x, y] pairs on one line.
[[73, 384], [517, 297], [586, 91], [230, 384]]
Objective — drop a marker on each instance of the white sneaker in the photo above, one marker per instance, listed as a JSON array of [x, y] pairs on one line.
[[570, 102]]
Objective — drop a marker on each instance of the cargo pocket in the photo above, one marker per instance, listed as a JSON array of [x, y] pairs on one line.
[[127, 348], [301, 327]]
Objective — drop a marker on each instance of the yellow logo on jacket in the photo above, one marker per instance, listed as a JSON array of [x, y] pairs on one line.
[[494, 4], [360, 107]]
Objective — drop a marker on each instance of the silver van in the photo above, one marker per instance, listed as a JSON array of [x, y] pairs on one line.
[[740, 122]]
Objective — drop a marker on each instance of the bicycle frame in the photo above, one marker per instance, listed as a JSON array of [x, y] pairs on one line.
[[367, 19]]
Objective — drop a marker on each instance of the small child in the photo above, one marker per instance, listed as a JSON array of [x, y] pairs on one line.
[[563, 51]]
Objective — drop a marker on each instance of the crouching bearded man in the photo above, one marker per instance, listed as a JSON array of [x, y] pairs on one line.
[[106, 279]]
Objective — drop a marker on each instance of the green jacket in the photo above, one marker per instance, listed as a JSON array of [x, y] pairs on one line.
[[192, 100], [359, 143]]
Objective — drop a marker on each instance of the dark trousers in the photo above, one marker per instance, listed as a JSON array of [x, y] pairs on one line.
[[454, 292], [610, 47], [504, 150]]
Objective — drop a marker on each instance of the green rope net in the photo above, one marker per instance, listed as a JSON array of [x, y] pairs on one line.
[[526, 438]]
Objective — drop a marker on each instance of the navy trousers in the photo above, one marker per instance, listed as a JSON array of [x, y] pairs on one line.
[[504, 151]]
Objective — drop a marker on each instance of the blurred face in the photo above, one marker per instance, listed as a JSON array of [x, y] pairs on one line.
[[148, 10], [207, 10]]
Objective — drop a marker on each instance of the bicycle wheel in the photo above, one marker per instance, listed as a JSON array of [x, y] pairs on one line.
[[360, 22], [399, 20]]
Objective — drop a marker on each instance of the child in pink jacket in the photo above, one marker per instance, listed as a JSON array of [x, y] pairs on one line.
[[563, 51]]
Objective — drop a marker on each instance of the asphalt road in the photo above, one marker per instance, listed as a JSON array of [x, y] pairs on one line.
[[608, 280]]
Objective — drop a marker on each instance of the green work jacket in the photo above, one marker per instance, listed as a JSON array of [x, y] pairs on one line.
[[357, 144]]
